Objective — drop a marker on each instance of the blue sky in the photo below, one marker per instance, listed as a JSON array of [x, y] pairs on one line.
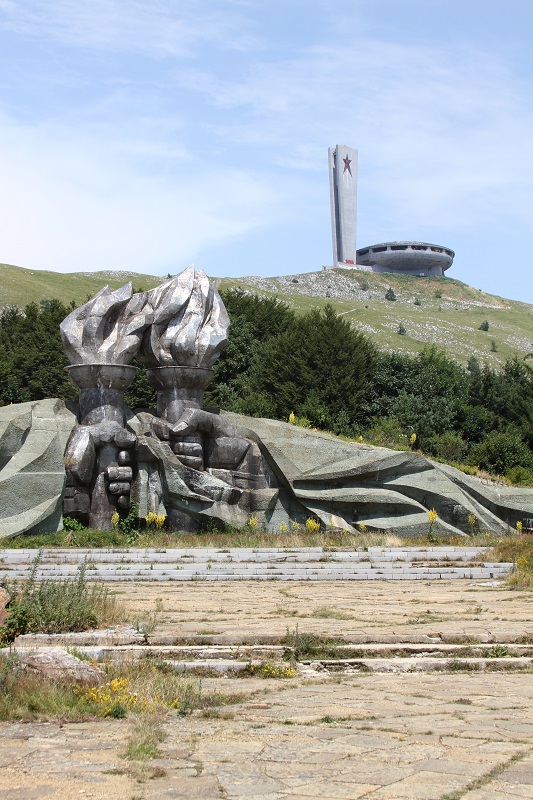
[[148, 135]]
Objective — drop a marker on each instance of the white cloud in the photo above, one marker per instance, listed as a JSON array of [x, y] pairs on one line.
[[71, 202], [443, 132], [160, 27], [181, 126]]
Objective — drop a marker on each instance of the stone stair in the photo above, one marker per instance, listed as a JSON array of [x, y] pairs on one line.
[[231, 564], [354, 653]]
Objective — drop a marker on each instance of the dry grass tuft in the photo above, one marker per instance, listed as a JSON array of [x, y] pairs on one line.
[[158, 688]]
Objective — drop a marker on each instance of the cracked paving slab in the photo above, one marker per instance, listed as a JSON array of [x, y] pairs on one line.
[[338, 737], [379, 737]]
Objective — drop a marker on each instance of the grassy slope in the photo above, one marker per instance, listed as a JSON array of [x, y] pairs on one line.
[[451, 321], [19, 286]]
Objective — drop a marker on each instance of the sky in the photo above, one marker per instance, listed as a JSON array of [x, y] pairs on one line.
[[146, 135]]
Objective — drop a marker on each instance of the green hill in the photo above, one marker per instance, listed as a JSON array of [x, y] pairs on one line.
[[19, 286], [443, 311]]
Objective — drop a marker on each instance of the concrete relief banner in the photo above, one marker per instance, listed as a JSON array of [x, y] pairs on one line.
[[193, 464]]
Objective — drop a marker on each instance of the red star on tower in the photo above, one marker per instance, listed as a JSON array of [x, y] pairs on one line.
[[347, 162]]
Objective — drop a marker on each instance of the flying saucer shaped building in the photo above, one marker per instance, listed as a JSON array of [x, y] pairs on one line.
[[409, 258]]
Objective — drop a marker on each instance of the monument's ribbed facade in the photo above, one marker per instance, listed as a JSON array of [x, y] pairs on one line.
[[343, 196]]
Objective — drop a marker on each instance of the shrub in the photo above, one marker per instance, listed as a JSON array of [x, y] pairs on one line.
[[520, 476], [437, 294], [127, 525], [316, 368], [389, 294], [386, 432], [72, 525], [484, 326], [56, 606], [449, 445], [501, 451], [154, 520], [401, 329], [417, 301], [268, 670]]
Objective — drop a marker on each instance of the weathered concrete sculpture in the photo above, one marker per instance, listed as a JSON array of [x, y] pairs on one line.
[[33, 437], [178, 330], [194, 464], [189, 329], [100, 339]]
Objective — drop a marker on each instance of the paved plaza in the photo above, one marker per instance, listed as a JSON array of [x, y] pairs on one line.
[[436, 736]]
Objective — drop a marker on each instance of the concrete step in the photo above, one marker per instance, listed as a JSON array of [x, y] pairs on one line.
[[126, 637], [217, 660], [344, 653], [295, 564], [417, 664], [257, 555]]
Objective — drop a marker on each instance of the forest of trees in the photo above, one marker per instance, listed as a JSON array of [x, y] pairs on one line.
[[319, 368]]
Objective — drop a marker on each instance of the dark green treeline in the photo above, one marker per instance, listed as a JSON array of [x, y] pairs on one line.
[[330, 376]]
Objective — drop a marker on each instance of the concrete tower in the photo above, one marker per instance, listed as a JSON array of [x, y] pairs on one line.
[[343, 197]]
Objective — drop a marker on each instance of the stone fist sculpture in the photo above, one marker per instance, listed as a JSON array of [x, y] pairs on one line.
[[100, 339], [177, 330]]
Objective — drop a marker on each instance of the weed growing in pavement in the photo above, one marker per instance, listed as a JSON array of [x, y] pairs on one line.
[[269, 670], [307, 646], [57, 606], [326, 612], [145, 687], [144, 741], [496, 651], [146, 622]]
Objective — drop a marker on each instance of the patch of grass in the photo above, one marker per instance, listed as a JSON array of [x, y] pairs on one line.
[[214, 713], [145, 740], [456, 665], [326, 612], [518, 549], [282, 610], [149, 687], [330, 540], [306, 646], [25, 696], [58, 606], [269, 670], [496, 651], [488, 777], [85, 538]]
